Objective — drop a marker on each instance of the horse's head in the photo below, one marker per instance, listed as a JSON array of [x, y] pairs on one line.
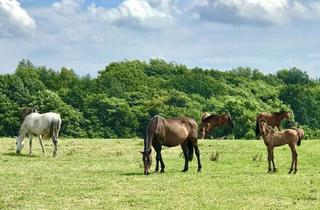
[[147, 161], [230, 121], [262, 127], [286, 115], [19, 144], [265, 129], [202, 130]]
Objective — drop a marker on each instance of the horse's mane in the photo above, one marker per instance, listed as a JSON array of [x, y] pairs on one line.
[[212, 116], [267, 126], [279, 113]]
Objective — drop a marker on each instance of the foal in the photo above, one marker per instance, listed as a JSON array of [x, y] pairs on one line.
[[272, 139], [273, 119]]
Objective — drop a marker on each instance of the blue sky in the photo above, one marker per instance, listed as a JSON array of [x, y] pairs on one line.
[[86, 35]]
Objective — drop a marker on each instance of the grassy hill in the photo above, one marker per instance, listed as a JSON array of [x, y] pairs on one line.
[[108, 174]]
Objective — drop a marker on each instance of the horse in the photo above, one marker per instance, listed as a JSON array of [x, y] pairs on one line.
[[211, 121], [205, 115], [272, 138], [170, 132], [26, 111], [45, 125], [273, 119]]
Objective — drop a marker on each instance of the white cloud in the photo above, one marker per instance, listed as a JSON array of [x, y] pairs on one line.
[[252, 12], [13, 18], [153, 14], [68, 6]]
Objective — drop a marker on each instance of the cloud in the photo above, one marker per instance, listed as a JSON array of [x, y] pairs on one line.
[[14, 19], [250, 12], [68, 6], [149, 14]]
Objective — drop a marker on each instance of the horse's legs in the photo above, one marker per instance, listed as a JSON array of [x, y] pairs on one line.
[[184, 147], [294, 159], [197, 151], [30, 144], [162, 164], [269, 160], [157, 147], [272, 159], [278, 126], [296, 164], [41, 144], [55, 144]]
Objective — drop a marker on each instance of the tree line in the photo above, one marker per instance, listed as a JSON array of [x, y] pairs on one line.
[[121, 99]]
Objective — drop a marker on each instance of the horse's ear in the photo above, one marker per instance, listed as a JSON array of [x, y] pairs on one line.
[[141, 152]]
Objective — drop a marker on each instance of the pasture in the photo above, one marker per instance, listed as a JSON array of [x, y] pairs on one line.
[[108, 174]]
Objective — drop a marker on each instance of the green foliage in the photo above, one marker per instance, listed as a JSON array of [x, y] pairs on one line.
[[109, 117], [9, 116], [126, 94], [293, 76]]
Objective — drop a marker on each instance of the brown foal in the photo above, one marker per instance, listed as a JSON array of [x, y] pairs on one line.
[[272, 139]]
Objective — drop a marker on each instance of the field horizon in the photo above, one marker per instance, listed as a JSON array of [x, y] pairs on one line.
[[108, 174]]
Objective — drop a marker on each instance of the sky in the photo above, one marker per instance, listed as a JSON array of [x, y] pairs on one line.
[[87, 35]]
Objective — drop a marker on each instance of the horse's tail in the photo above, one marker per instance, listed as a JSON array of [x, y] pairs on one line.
[[299, 141], [300, 136], [257, 129], [55, 128], [190, 149]]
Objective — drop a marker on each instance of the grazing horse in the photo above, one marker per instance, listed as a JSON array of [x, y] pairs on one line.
[[211, 121], [205, 115], [272, 139], [170, 132], [47, 125], [273, 119]]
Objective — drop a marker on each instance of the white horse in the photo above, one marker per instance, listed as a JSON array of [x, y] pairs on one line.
[[46, 125]]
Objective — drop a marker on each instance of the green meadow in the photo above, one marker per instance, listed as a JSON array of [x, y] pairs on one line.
[[108, 174]]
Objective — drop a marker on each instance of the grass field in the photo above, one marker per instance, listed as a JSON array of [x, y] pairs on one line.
[[108, 174]]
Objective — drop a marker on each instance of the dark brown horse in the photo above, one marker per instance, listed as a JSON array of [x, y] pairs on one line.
[[272, 119], [26, 111], [170, 132], [211, 121], [272, 139]]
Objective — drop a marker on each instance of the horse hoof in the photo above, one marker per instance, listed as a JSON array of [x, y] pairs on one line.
[[184, 170], [162, 171], [199, 170]]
